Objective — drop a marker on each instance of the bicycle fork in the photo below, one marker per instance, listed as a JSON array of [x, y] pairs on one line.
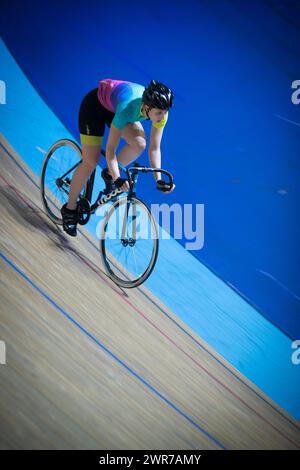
[[129, 241]]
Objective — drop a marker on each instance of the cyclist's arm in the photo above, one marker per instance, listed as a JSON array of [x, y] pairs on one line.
[[111, 147], [154, 150]]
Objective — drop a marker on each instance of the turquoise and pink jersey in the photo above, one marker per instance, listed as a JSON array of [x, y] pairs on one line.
[[124, 99]]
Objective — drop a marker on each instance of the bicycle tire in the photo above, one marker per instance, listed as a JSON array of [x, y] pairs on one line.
[[142, 278], [45, 199]]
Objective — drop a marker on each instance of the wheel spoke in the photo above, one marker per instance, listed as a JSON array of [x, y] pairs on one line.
[[130, 265], [62, 157]]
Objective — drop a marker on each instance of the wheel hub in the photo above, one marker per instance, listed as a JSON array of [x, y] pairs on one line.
[[128, 241]]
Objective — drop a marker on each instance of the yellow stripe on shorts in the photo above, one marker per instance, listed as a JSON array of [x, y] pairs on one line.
[[91, 139]]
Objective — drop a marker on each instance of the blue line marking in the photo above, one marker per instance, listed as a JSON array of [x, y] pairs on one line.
[[219, 361], [93, 338], [169, 317], [233, 328]]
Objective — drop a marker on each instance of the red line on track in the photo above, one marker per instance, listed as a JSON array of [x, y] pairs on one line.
[[137, 310]]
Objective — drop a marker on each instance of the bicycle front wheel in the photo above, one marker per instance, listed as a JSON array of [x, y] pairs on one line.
[[57, 171], [129, 242]]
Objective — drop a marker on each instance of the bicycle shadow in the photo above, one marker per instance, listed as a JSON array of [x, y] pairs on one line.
[[22, 208]]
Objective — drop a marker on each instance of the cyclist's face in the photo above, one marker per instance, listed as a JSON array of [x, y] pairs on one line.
[[157, 115]]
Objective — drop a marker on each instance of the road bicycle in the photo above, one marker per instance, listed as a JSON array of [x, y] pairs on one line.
[[128, 234]]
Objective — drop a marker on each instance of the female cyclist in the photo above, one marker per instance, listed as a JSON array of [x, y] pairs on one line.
[[121, 106]]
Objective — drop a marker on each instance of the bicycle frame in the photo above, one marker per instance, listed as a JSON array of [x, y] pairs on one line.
[[56, 193], [132, 176]]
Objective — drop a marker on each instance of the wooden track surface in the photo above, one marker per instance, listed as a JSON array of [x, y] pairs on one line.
[[92, 366]]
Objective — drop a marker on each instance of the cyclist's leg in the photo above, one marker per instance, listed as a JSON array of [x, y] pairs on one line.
[[90, 159], [91, 127], [134, 135]]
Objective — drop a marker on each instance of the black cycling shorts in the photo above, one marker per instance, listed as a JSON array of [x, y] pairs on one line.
[[92, 119]]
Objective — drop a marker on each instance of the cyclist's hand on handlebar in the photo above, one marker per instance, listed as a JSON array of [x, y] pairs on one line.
[[122, 183], [165, 187]]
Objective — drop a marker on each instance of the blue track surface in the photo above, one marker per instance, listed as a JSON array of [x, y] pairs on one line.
[[204, 302], [234, 133]]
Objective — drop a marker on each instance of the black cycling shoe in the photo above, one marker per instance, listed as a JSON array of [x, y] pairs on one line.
[[109, 184], [70, 219]]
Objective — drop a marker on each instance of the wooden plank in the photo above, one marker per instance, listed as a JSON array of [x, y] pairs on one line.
[[59, 389]]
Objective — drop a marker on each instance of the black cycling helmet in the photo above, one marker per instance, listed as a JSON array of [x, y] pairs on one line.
[[158, 95]]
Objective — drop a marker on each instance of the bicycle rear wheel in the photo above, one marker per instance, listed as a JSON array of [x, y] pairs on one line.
[[129, 242], [58, 167]]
